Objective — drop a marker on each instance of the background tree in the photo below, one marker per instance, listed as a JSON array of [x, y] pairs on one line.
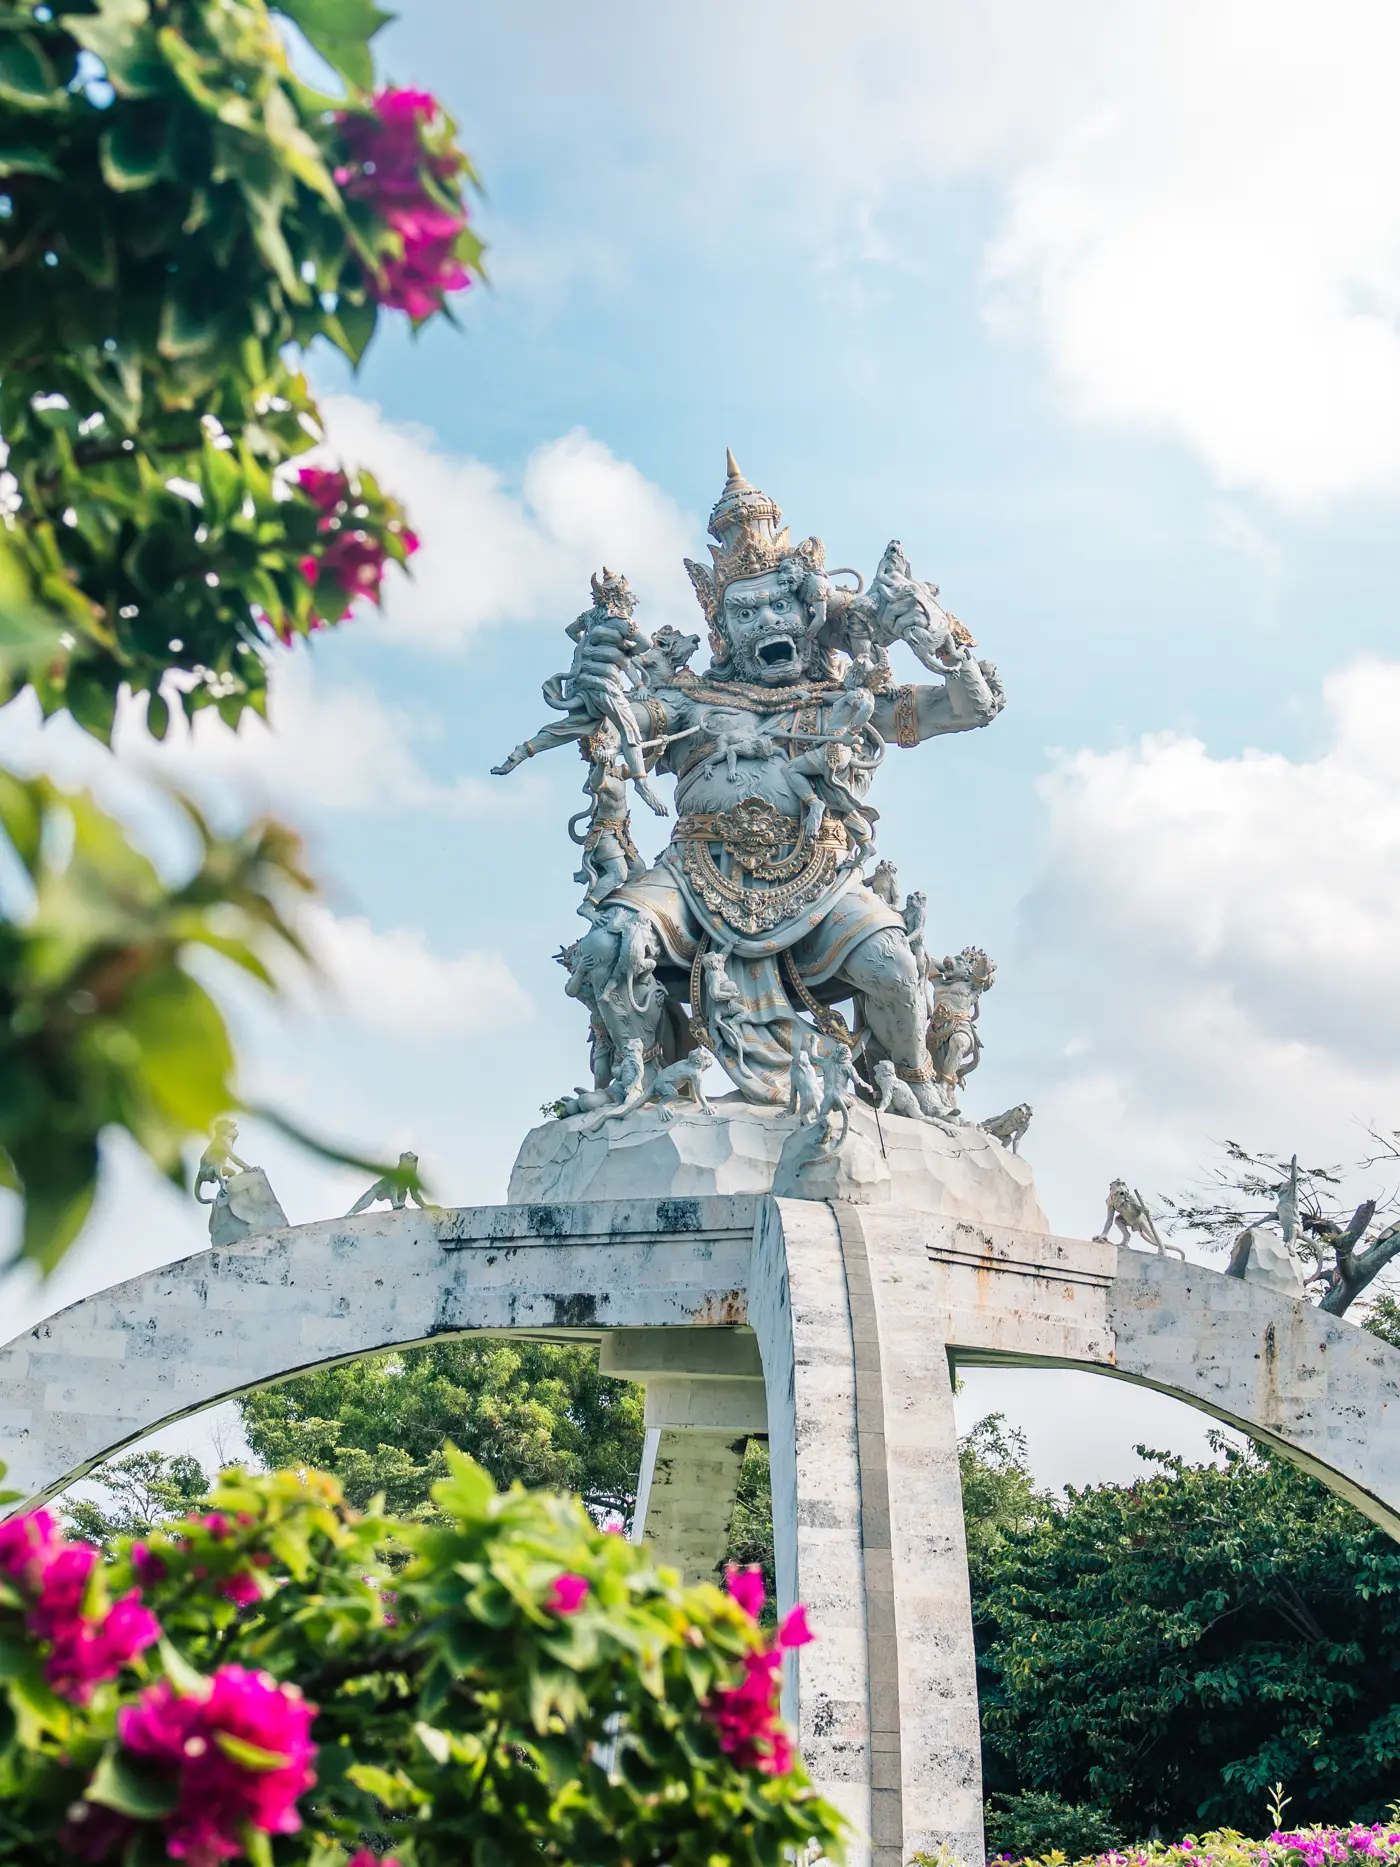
[[181, 217], [1166, 1651], [145, 1488], [534, 1412], [1342, 1248]]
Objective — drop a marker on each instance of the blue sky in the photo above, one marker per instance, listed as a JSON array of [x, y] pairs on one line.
[[1094, 308]]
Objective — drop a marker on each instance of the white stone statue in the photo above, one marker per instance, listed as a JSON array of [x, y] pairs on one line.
[[723, 1003], [795, 711], [1127, 1213], [397, 1187], [954, 1047], [1264, 1253], [897, 1098], [1009, 1127], [885, 883], [804, 1085], [243, 1201], [680, 1082], [609, 855], [595, 688]]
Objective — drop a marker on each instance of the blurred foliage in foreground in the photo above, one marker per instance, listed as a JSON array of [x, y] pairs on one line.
[[253, 1681], [180, 218]]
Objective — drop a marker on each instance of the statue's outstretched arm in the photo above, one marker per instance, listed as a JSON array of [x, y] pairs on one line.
[[971, 696]]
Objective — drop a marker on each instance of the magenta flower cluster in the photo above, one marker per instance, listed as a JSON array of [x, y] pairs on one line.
[[746, 1715], [351, 560], [393, 169], [241, 1755], [88, 1641], [1300, 1847]]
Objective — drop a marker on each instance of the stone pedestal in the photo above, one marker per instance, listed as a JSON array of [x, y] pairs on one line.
[[886, 1160]]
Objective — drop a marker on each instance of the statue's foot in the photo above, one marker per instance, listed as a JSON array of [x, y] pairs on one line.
[[649, 797], [507, 766]]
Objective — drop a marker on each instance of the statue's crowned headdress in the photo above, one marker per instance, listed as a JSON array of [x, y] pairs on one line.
[[744, 525]]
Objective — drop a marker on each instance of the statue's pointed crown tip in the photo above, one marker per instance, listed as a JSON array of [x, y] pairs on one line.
[[734, 480]]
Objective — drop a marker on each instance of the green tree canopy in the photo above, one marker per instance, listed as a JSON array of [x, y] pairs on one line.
[[538, 1412], [1167, 1650]]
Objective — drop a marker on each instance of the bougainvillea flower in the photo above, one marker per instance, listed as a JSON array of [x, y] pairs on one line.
[[85, 1653], [568, 1594], [86, 1645], [241, 1588], [220, 1795], [324, 487], [25, 1545], [746, 1717], [746, 1587], [793, 1630]]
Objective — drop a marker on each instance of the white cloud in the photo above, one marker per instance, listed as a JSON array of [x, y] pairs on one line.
[[1194, 203], [490, 555], [394, 984], [1224, 929]]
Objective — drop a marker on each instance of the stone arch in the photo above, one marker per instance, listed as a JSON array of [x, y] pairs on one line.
[[832, 1327]]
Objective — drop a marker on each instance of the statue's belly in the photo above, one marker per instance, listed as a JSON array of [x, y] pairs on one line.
[[712, 789]]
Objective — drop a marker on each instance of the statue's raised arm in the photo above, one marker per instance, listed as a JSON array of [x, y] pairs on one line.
[[756, 922]]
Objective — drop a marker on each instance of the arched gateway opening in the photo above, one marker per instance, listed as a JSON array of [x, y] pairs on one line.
[[830, 1326]]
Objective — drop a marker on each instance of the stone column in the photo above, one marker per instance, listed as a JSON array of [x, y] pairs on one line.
[[868, 1530], [704, 1398]]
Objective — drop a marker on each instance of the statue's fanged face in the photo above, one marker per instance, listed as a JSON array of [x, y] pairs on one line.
[[766, 627]]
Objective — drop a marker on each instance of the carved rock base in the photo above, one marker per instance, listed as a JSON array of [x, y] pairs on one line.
[[738, 1149]]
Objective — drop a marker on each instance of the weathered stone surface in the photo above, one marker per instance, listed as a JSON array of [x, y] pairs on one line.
[[888, 1160]]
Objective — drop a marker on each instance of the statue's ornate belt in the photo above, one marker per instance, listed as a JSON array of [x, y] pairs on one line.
[[787, 870], [620, 827]]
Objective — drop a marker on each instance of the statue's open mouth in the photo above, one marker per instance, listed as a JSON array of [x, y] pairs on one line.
[[777, 652]]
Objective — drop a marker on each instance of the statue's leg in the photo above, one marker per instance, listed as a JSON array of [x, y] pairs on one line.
[[557, 733], [883, 972]]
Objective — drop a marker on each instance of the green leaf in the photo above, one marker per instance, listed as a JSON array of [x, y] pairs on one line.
[[157, 716], [250, 1756], [120, 1783], [26, 78], [340, 30], [18, 158], [186, 1680], [392, 1788], [469, 1491], [133, 153], [59, 1173], [186, 1056], [114, 35]]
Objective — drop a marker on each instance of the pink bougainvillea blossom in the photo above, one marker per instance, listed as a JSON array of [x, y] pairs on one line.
[[26, 1544], [746, 1715], [793, 1630], [87, 1645], [219, 1794], [393, 170], [746, 1587], [325, 487], [568, 1594], [149, 1567]]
